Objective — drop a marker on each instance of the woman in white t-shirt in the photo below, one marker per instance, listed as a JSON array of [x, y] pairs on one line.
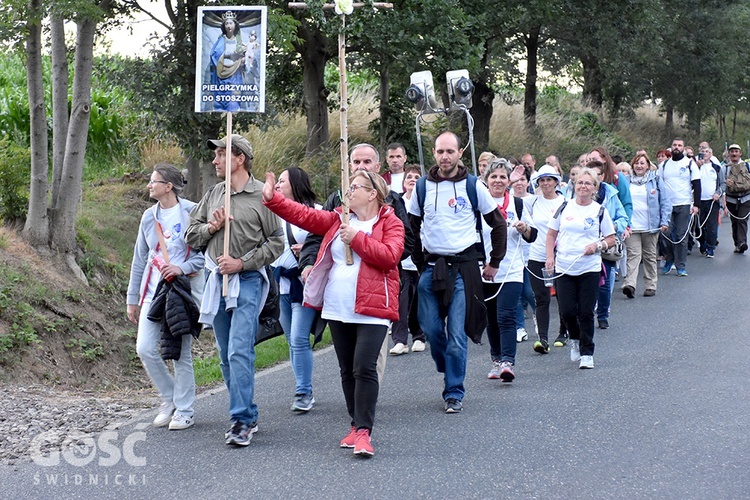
[[542, 206], [296, 319], [170, 215], [504, 291], [520, 187], [577, 234], [360, 298]]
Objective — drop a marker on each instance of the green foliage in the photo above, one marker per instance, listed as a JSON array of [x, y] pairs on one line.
[[268, 353], [15, 171], [88, 349]]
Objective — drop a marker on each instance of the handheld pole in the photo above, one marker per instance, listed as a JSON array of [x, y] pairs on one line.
[[227, 199]]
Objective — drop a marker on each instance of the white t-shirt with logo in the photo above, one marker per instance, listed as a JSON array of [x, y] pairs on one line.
[[448, 223], [541, 210], [511, 267], [708, 181], [171, 226], [578, 226], [677, 177]]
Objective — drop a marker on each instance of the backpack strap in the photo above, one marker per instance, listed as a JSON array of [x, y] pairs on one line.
[[519, 207], [560, 209], [421, 190]]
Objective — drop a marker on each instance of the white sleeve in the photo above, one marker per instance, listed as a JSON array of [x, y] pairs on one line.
[[607, 227]]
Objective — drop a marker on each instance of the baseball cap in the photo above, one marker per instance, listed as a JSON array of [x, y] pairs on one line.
[[735, 146], [237, 141]]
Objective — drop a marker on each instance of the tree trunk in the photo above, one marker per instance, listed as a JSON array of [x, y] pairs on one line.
[[63, 225], [669, 119], [481, 110], [734, 122], [385, 98], [209, 175], [592, 81], [60, 84], [529, 95], [194, 186], [482, 103], [36, 230], [314, 58]]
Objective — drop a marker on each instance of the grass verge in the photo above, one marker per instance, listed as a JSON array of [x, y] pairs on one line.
[[267, 354]]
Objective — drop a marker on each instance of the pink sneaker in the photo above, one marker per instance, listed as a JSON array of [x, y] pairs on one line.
[[362, 445], [348, 441]]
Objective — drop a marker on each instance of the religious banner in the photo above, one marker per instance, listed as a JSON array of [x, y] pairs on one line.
[[230, 68]]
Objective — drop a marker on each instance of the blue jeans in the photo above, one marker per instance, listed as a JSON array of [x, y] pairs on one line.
[[235, 332], [605, 291], [296, 321], [447, 345], [677, 254], [503, 336], [527, 297]]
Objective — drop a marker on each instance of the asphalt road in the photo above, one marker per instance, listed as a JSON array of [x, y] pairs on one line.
[[665, 414]]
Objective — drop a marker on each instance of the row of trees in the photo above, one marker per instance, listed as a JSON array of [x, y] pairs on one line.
[[687, 55]]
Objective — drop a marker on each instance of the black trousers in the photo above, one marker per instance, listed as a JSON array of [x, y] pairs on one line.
[[542, 295], [406, 300], [576, 296], [357, 349]]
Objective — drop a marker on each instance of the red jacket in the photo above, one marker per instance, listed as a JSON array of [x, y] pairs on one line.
[[378, 279]]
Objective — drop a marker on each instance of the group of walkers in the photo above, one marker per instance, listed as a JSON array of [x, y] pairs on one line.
[[443, 255]]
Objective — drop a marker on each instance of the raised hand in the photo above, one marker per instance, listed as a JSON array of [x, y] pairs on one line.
[[269, 186]]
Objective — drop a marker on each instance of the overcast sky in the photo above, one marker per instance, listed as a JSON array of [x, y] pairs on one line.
[[127, 44]]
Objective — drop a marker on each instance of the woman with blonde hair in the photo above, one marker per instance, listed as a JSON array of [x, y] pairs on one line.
[[359, 300], [652, 211], [577, 234]]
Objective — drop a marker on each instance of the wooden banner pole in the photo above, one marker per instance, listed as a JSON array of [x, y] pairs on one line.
[[227, 198], [343, 106]]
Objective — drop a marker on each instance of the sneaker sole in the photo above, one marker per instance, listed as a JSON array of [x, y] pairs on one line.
[[235, 442], [540, 349], [492, 376], [252, 431], [451, 410], [181, 427], [364, 453], [303, 409], [507, 377]]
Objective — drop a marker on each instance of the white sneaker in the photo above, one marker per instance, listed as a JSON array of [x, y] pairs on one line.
[[180, 422], [575, 351], [165, 414], [521, 335], [417, 346], [399, 349], [586, 362], [497, 368]]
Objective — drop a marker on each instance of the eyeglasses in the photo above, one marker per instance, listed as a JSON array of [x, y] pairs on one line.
[[157, 182], [354, 187], [582, 183]]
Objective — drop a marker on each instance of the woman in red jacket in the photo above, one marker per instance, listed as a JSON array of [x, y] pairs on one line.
[[359, 300]]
